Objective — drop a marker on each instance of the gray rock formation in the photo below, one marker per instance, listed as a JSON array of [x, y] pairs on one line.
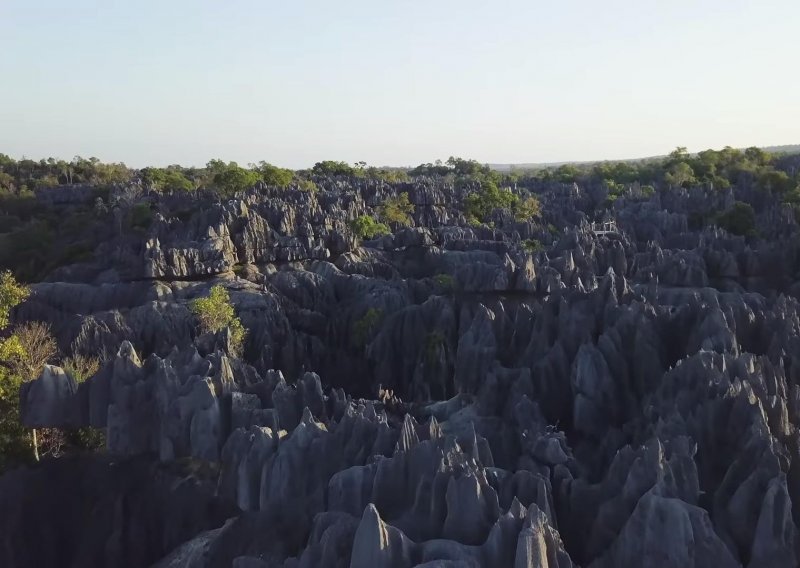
[[442, 396]]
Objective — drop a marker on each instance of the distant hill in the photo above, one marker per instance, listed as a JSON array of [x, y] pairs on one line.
[[786, 149]]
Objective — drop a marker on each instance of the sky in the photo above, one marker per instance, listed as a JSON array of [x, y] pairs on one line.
[[394, 82]]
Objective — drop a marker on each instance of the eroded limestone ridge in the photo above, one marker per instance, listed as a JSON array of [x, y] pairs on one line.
[[445, 396]]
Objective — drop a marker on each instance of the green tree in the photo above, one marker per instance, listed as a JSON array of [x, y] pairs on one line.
[[14, 446], [480, 204], [758, 156], [215, 312], [140, 216], [567, 173], [740, 219], [679, 154], [528, 209], [166, 179], [444, 281], [153, 177], [6, 182], [273, 175], [775, 181], [470, 168], [680, 174], [37, 347], [81, 368], [532, 246], [364, 328], [365, 227], [307, 185], [387, 174], [12, 293], [333, 168], [177, 181], [230, 178], [397, 210]]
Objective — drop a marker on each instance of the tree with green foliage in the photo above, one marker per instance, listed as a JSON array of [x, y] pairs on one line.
[[364, 328], [434, 342], [175, 181], [215, 313], [12, 293], [567, 173], [680, 174], [230, 178], [397, 210], [365, 227], [740, 219], [480, 204], [140, 217], [430, 169], [307, 185], [758, 156], [14, 445], [153, 177], [445, 281], [81, 368], [169, 179], [273, 175], [617, 172], [333, 168], [390, 175], [527, 209], [37, 347], [532, 246], [470, 168], [775, 181]]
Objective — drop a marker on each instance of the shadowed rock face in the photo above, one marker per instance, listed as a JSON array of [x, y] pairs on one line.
[[440, 396]]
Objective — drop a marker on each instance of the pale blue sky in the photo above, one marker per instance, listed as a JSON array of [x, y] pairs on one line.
[[394, 82]]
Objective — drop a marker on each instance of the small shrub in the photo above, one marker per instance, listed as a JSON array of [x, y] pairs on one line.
[[141, 217], [80, 367], [739, 219], [433, 342], [12, 293], [478, 205], [37, 347], [398, 210], [215, 312], [307, 185], [176, 181], [387, 175], [230, 178], [527, 209], [775, 181], [365, 327], [615, 190], [87, 438], [365, 227], [532, 246], [273, 175], [444, 281]]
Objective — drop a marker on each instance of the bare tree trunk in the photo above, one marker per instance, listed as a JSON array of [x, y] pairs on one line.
[[35, 446]]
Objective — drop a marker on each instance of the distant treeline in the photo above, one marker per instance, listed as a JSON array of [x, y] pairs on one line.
[[716, 168], [36, 238]]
